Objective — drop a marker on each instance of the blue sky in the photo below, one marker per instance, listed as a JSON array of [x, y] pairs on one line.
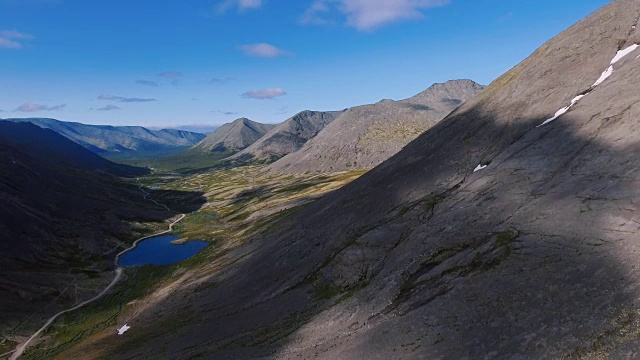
[[179, 62]]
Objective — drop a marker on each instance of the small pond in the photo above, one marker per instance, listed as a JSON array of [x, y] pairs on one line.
[[160, 251]]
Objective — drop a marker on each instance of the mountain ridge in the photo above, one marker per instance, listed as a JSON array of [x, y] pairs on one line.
[[119, 140], [232, 137], [287, 136], [364, 136]]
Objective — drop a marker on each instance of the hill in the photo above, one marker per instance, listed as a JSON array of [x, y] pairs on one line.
[[489, 236], [120, 140], [287, 137], [62, 212], [364, 136], [232, 137]]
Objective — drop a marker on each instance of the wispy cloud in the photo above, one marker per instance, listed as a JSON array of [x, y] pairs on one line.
[[12, 39], [265, 94], [221, 81], [228, 113], [263, 50], [170, 74], [282, 110], [108, 108], [368, 15], [240, 5], [506, 17], [147, 83], [124, 99], [32, 107]]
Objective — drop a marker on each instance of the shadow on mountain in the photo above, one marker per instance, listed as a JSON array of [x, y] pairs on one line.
[[417, 107], [64, 215], [421, 257]]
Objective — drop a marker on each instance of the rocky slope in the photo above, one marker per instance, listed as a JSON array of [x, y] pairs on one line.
[[232, 137], [62, 212], [120, 140], [534, 255], [364, 136], [287, 137]]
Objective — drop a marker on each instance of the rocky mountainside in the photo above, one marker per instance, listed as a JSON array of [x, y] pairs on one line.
[[233, 137], [364, 136], [288, 136], [489, 236], [120, 140], [62, 213]]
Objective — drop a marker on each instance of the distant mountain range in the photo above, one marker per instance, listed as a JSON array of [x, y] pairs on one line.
[[120, 140], [356, 138], [288, 136], [364, 136]]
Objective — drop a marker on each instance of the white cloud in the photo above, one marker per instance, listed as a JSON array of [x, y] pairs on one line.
[[265, 94], [241, 5], [31, 107], [368, 15], [263, 50], [12, 39]]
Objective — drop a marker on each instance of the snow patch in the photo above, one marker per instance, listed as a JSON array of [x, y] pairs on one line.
[[480, 167], [558, 114], [123, 329], [605, 75], [576, 99], [622, 53]]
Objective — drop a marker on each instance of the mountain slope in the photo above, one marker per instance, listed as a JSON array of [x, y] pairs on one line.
[[364, 136], [534, 256], [62, 213], [233, 137], [120, 140], [288, 136]]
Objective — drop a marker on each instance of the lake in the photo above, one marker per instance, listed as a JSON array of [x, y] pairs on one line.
[[160, 251]]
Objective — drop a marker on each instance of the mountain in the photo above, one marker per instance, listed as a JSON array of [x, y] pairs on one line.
[[489, 236], [63, 210], [364, 136], [288, 136], [233, 137], [120, 140], [196, 128]]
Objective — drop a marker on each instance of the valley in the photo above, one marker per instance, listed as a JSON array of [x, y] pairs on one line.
[[241, 203]]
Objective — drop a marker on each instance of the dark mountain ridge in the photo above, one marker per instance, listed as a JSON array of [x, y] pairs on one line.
[[63, 210]]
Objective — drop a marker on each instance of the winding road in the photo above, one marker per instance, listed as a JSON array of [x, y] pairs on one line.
[[118, 275]]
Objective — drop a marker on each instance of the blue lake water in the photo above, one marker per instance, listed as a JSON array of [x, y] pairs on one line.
[[160, 251]]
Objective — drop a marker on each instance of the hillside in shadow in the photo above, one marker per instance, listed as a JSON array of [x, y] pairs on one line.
[[64, 212]]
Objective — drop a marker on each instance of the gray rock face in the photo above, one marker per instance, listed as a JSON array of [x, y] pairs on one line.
[[288, 137], [535, 256], [233, 137], [104, 139], [364, 136]]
